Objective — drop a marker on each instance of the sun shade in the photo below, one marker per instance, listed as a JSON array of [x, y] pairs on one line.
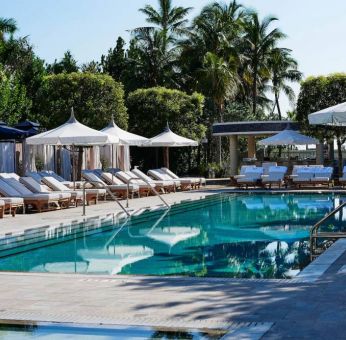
[[124, 137], [288, 137], [334, 115], [72, 133]]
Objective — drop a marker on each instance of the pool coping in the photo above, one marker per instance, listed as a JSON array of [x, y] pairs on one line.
[[311, 273]]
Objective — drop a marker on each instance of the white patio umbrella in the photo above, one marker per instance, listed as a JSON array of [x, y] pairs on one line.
[[72, 133], [334, 115], [169, 139], [125, 137], [288, 137]]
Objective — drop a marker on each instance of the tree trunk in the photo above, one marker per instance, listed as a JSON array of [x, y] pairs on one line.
[[278, 105], [254, 90], [220, 109]]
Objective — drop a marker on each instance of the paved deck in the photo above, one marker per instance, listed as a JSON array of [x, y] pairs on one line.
[[295, 310]]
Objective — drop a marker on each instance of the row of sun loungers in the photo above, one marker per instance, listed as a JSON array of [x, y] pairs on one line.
[[45, 190], [277, 175]]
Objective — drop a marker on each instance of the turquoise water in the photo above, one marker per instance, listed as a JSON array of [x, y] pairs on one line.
[[245, 236], [57, 332]]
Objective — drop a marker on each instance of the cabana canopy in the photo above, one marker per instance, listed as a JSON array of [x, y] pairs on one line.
[[288, 137], [169, 139], [124, 137], [72, 133], [335, 115]]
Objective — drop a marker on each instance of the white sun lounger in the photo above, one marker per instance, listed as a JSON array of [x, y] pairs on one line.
[[275, 175], [197, 181], [38, 187], [161, 185], [160, 175], [97, 182], [14, 189], [144, 188], [252, 177]]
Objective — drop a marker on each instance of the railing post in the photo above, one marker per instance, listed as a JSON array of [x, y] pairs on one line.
[[151, 188]]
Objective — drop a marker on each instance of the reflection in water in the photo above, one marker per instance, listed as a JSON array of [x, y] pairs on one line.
[[252, 236]]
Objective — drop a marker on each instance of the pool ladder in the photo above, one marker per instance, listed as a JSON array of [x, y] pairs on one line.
[[101, 186], [315, 234]]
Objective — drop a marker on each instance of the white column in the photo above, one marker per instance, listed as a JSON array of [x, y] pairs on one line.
[[233, 149], [319, 154], [251, 147]]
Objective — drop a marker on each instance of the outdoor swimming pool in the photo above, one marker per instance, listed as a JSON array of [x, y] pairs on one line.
[[227, 235]]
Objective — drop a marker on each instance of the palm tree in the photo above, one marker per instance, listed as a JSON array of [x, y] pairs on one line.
[[168, 18], [7, 26], [259, 41], [219, 81], [284, 69]]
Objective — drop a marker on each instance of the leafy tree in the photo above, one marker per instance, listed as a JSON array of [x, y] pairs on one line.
[[284, 69], [94, 97], [259, 41], [66, 65], [7, 26], [317, 93], [13, 98], [91, 67], [115, 62], [149, 112], [169, 19]]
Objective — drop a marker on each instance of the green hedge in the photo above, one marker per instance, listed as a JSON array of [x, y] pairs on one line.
[[95, 97], [149, 112]]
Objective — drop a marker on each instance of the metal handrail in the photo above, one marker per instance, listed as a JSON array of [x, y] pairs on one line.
[[150, 186], [314, 229], [109, 192]]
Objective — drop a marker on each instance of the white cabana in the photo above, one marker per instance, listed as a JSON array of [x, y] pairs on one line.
[[169, 139], [288, 137], [125, 137], [121, 156], [335, 115], [72, 133]]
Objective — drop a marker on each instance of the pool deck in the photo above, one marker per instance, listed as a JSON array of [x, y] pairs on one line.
[[276, 309]]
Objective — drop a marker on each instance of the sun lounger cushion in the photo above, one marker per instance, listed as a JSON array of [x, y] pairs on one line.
[[195, 180], [8, 190], [143, 176], [160, 175], [26, 193], [126, 178], [13, 200], [109, 178], [10, 175]]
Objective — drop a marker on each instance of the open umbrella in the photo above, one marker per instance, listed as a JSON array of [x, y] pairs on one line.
[[288, 137], [334, 115], [72, 133], [168, 139], [125, 137]]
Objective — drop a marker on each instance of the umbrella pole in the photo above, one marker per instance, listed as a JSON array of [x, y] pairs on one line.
[[74, 167], [112, 163], [166, 157]]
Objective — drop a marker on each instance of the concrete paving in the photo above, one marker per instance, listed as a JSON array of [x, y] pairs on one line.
[[280, 308]]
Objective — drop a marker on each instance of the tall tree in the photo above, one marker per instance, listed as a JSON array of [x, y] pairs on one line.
[[66, 65], [259, 41], [167, 18], [284, 69], [7, 26], [114, 63]]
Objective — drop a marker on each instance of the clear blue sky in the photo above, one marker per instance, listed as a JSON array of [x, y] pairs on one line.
[[315, 28]]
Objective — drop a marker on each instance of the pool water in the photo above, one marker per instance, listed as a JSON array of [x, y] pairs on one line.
[[76, 332], [228, 235]]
